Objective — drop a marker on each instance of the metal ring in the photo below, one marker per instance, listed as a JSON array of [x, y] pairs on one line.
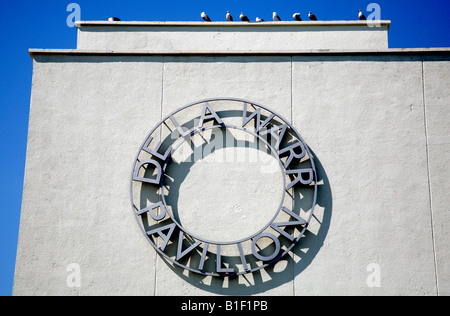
[[273, 258], [226, 242]]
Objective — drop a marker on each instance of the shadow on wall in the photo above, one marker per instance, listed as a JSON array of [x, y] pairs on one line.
[[285, 270]]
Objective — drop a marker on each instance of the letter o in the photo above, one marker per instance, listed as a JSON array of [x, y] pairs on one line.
[[273, 255]]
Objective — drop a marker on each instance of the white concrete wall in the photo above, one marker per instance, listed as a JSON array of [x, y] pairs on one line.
[[232, 36], [436, 99], [86, 117], [377, 124]]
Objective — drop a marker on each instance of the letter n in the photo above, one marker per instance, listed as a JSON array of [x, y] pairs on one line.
[[298, 221]]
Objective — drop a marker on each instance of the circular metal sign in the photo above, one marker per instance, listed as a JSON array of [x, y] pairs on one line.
[[274, 220]]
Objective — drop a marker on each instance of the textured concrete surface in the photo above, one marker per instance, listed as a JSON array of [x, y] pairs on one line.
[[436, 99], [87, 119], [266, 79], [235, 36], [373, 149], [378, 126]]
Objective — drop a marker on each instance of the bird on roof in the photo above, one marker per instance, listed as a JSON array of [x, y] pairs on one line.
[[259, 20], [361, 16], [312, 17], [276, 17], [243, 17], [297, 17], [205, 17], [229, 17]]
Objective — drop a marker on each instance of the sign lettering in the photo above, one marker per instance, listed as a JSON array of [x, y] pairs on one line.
[[195, 253]]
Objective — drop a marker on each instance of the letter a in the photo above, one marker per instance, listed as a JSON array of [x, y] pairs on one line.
[[212, 115], [166, 238], [75, 15]]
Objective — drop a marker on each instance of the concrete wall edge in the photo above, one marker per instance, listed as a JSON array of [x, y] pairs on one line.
[[404, 51]]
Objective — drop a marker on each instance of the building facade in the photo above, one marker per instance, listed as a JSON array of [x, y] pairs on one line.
[[375, 121]]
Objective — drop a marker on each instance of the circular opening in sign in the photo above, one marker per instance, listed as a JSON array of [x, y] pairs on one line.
[[236, 181]]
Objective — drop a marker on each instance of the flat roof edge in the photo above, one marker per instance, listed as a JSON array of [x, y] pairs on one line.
[[80, 24], [416, 51]]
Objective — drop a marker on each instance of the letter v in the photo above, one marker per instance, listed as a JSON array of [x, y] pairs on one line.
[[181, 254]]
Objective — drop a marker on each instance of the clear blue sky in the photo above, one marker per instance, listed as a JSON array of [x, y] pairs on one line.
[[42, 24]]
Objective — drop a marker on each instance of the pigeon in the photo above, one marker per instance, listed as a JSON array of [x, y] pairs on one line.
[[244, 18], [312, 17], [229, 17], [259, 20], [297, 17], [205, 17], [361, 16], [276, 17]]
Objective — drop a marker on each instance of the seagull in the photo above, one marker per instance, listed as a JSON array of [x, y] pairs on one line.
[[244, 18], [312, 17], [297, 17], [229, 17], [276, 17], [205, 17], [361, 16], [259, 20]]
